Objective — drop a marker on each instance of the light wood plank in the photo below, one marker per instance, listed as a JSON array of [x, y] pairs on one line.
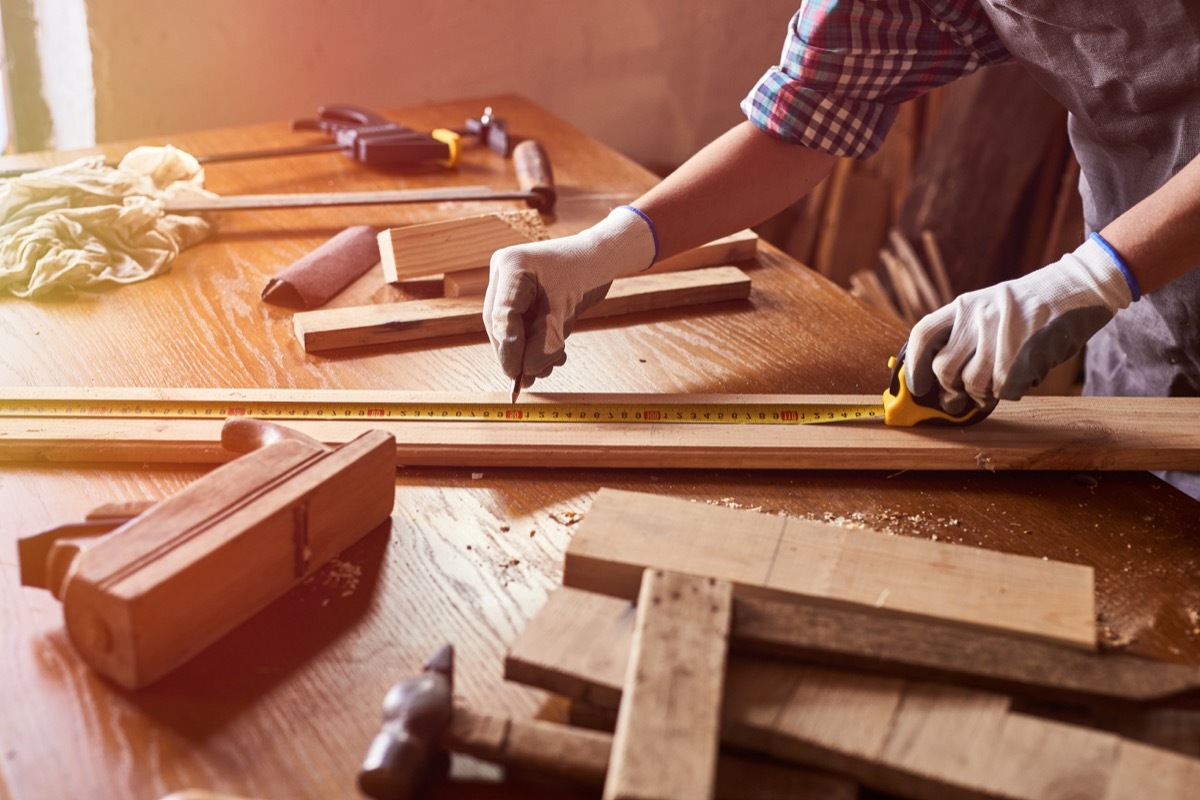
[[414, 251], [665, 745], [388, 323], [626, 532], [1042, 433], [740, 246]]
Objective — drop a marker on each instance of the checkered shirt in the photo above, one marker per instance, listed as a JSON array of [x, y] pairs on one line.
[[848, 64]]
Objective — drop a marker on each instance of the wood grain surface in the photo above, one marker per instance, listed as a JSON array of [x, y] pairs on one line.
[[285, 705]]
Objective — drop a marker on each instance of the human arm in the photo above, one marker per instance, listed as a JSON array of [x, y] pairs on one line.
[[537, 291], [999, 342]]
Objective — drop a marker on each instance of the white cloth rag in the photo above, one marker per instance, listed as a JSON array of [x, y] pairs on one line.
[[84, 225]]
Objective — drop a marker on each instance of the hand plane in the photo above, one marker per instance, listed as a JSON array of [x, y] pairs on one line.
[[151, 591]]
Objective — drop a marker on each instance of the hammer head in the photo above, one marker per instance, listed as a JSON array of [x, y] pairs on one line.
[[416, 712]]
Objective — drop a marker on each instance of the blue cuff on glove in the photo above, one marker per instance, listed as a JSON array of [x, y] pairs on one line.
[[1134, 289]]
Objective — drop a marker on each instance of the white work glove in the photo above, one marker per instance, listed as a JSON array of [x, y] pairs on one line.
[[996, 343], [536, 291]]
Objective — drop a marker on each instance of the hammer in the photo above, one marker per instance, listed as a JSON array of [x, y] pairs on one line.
[[416, 712]]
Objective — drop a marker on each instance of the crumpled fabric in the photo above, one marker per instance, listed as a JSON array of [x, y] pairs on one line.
[[85, 226]]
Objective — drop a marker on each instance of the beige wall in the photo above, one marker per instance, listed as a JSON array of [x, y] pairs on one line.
[[655, 79]]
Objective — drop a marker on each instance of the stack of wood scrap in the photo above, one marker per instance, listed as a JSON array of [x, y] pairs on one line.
[[457, 252], [981, 166], [708, 652]]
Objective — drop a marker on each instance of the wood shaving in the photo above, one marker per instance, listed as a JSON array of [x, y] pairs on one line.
[[566, 517]]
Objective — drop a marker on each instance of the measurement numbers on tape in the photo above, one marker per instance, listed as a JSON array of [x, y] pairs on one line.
[[598, 412]]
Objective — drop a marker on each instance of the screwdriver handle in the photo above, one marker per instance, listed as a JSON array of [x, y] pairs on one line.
[[535, 176]]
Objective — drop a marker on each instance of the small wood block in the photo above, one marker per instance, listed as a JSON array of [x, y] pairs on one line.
[[740, 246], [145, 598], [665, 745], [430, 248], [388, 323], [626, 532]]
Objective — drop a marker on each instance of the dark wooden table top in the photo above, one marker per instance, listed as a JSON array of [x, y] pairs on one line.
[[286, 705]]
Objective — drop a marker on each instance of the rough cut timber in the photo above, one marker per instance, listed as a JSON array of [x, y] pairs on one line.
[[814, 632], [920, 740], [767, 555], [434, 248], [737, 247], [388, 323], [1038, 433], [665, 744], [145, 598]]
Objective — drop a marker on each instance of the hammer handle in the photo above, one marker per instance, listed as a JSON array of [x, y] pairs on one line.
[[534, 175]]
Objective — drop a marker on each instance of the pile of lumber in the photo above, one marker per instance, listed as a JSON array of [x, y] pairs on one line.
[[708, 652], [981, 167]]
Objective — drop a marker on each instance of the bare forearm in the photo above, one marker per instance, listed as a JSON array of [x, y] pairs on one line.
[[1159, 238], [739, 180]]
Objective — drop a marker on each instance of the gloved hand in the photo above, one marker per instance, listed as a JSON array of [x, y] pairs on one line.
[[996, 343], [536, 291]]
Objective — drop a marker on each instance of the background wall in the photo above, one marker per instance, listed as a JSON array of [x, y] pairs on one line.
[[655, 79]]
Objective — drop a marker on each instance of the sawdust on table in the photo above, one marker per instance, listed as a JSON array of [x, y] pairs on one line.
[[566, 517], [341, 576], [526, 222]]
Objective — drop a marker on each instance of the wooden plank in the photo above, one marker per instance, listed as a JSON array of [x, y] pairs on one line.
[[555, 652], [916, 739], [736, 247], [581, 757], [413, 251], [1038, 433], [626, 532], [388, 323], [863, 639], [665, 745]]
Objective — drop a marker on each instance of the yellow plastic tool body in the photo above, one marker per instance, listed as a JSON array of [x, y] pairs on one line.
[[901, 408], [453, 144]]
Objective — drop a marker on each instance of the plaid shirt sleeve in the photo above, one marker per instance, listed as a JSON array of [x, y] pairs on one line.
[[848, 64]]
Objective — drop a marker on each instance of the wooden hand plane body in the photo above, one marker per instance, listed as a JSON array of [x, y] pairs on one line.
[[146, 597]]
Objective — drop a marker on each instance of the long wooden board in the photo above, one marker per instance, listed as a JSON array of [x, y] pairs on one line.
[[625, 533], [740, 246], [920, 740], [809, 631], [388, 323], [581, 756], [665, 744], [414, 251], [1038, 433], [815, 632]]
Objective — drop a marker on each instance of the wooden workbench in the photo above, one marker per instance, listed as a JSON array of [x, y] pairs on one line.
[[286, 705]]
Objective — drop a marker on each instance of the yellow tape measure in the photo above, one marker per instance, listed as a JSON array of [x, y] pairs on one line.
[[600, 411]]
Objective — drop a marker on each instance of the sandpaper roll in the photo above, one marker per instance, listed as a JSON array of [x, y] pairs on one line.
[[318, 277]]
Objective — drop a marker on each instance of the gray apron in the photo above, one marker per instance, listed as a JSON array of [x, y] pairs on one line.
[[1129, 74]]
